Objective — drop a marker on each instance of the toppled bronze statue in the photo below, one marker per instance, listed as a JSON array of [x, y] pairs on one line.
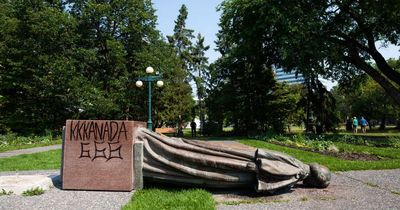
[[218, 165]]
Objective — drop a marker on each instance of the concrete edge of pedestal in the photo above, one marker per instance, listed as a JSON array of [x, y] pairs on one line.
[[17, 184], [138, 165]]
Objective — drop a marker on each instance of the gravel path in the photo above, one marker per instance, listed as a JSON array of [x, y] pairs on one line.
[[59, 199], [29, 151], [348, 190]]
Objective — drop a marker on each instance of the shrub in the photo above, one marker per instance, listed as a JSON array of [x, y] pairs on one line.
[[316, 143], [13, 139], [394, 141], [350, 139]]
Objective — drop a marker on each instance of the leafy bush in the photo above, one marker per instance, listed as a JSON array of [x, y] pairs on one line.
[[4, 129], [318, 143], [394, 141], [264, 136], [350, 139], [13, 139]]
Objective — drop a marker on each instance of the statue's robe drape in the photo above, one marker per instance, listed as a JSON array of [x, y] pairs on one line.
[[216, 164]]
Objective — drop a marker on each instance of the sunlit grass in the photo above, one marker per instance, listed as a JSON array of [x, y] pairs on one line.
[[27, 146], [174, 199], [38, 161], [333, 163]]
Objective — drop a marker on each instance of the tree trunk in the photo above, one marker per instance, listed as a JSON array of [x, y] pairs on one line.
[[200, 98], [384, 67], [307, 105], [389, 76], [201, 113], [390, 89]]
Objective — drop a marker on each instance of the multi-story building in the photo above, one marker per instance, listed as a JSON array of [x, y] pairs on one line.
[[290, 78]]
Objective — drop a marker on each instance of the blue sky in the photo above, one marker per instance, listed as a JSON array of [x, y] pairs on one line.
[[202, 18]]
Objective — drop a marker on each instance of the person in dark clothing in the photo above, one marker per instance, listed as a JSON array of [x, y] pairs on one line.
[[349, 124], [193, 126]]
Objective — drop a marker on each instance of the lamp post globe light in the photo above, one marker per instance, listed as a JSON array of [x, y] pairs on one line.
[[149, 70], [149, 79], [139, 83], [160, 83]]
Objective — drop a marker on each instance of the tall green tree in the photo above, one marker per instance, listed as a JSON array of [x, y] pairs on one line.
[[244, 93], [172, 104], [181, 40], [296, 115], [80, 59], [37, 44], [111, 35], [366, 98], [200, 74], [254, 101], [192, 56], [322, 104], [332, 38]]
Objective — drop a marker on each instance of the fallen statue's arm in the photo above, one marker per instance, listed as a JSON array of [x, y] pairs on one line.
[[213, 164]]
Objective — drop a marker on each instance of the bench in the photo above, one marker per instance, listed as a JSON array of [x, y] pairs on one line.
[[166, 130]]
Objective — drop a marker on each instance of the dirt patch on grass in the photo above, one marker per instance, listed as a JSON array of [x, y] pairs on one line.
[[354, 156]]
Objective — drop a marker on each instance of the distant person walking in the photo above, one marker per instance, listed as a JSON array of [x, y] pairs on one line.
[[348, 124], [355, 124], [364, 124], [193, 126]]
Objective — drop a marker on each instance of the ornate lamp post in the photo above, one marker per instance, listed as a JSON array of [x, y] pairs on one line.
[[149, 79]]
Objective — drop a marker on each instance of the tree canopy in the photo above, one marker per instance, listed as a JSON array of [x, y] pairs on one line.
[[80, 59], [366, 98], [336, 39]]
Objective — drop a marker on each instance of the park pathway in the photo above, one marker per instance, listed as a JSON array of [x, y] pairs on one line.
[[55, 198], [29, 151], [370, 189], [57, 146], [373, 189]]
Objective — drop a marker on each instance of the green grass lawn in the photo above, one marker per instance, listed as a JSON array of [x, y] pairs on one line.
[[143, 199], [389, 152], [174, 199], [26, 146], [336, 164], [171, 198], [38, 161], [52, 159]]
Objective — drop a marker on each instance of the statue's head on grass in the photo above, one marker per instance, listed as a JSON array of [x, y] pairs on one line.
[[319, 177]]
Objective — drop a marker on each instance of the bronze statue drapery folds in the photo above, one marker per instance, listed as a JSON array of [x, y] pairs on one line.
[[223, 165]]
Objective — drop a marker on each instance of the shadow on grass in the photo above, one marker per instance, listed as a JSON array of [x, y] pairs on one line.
[[232, 191]]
